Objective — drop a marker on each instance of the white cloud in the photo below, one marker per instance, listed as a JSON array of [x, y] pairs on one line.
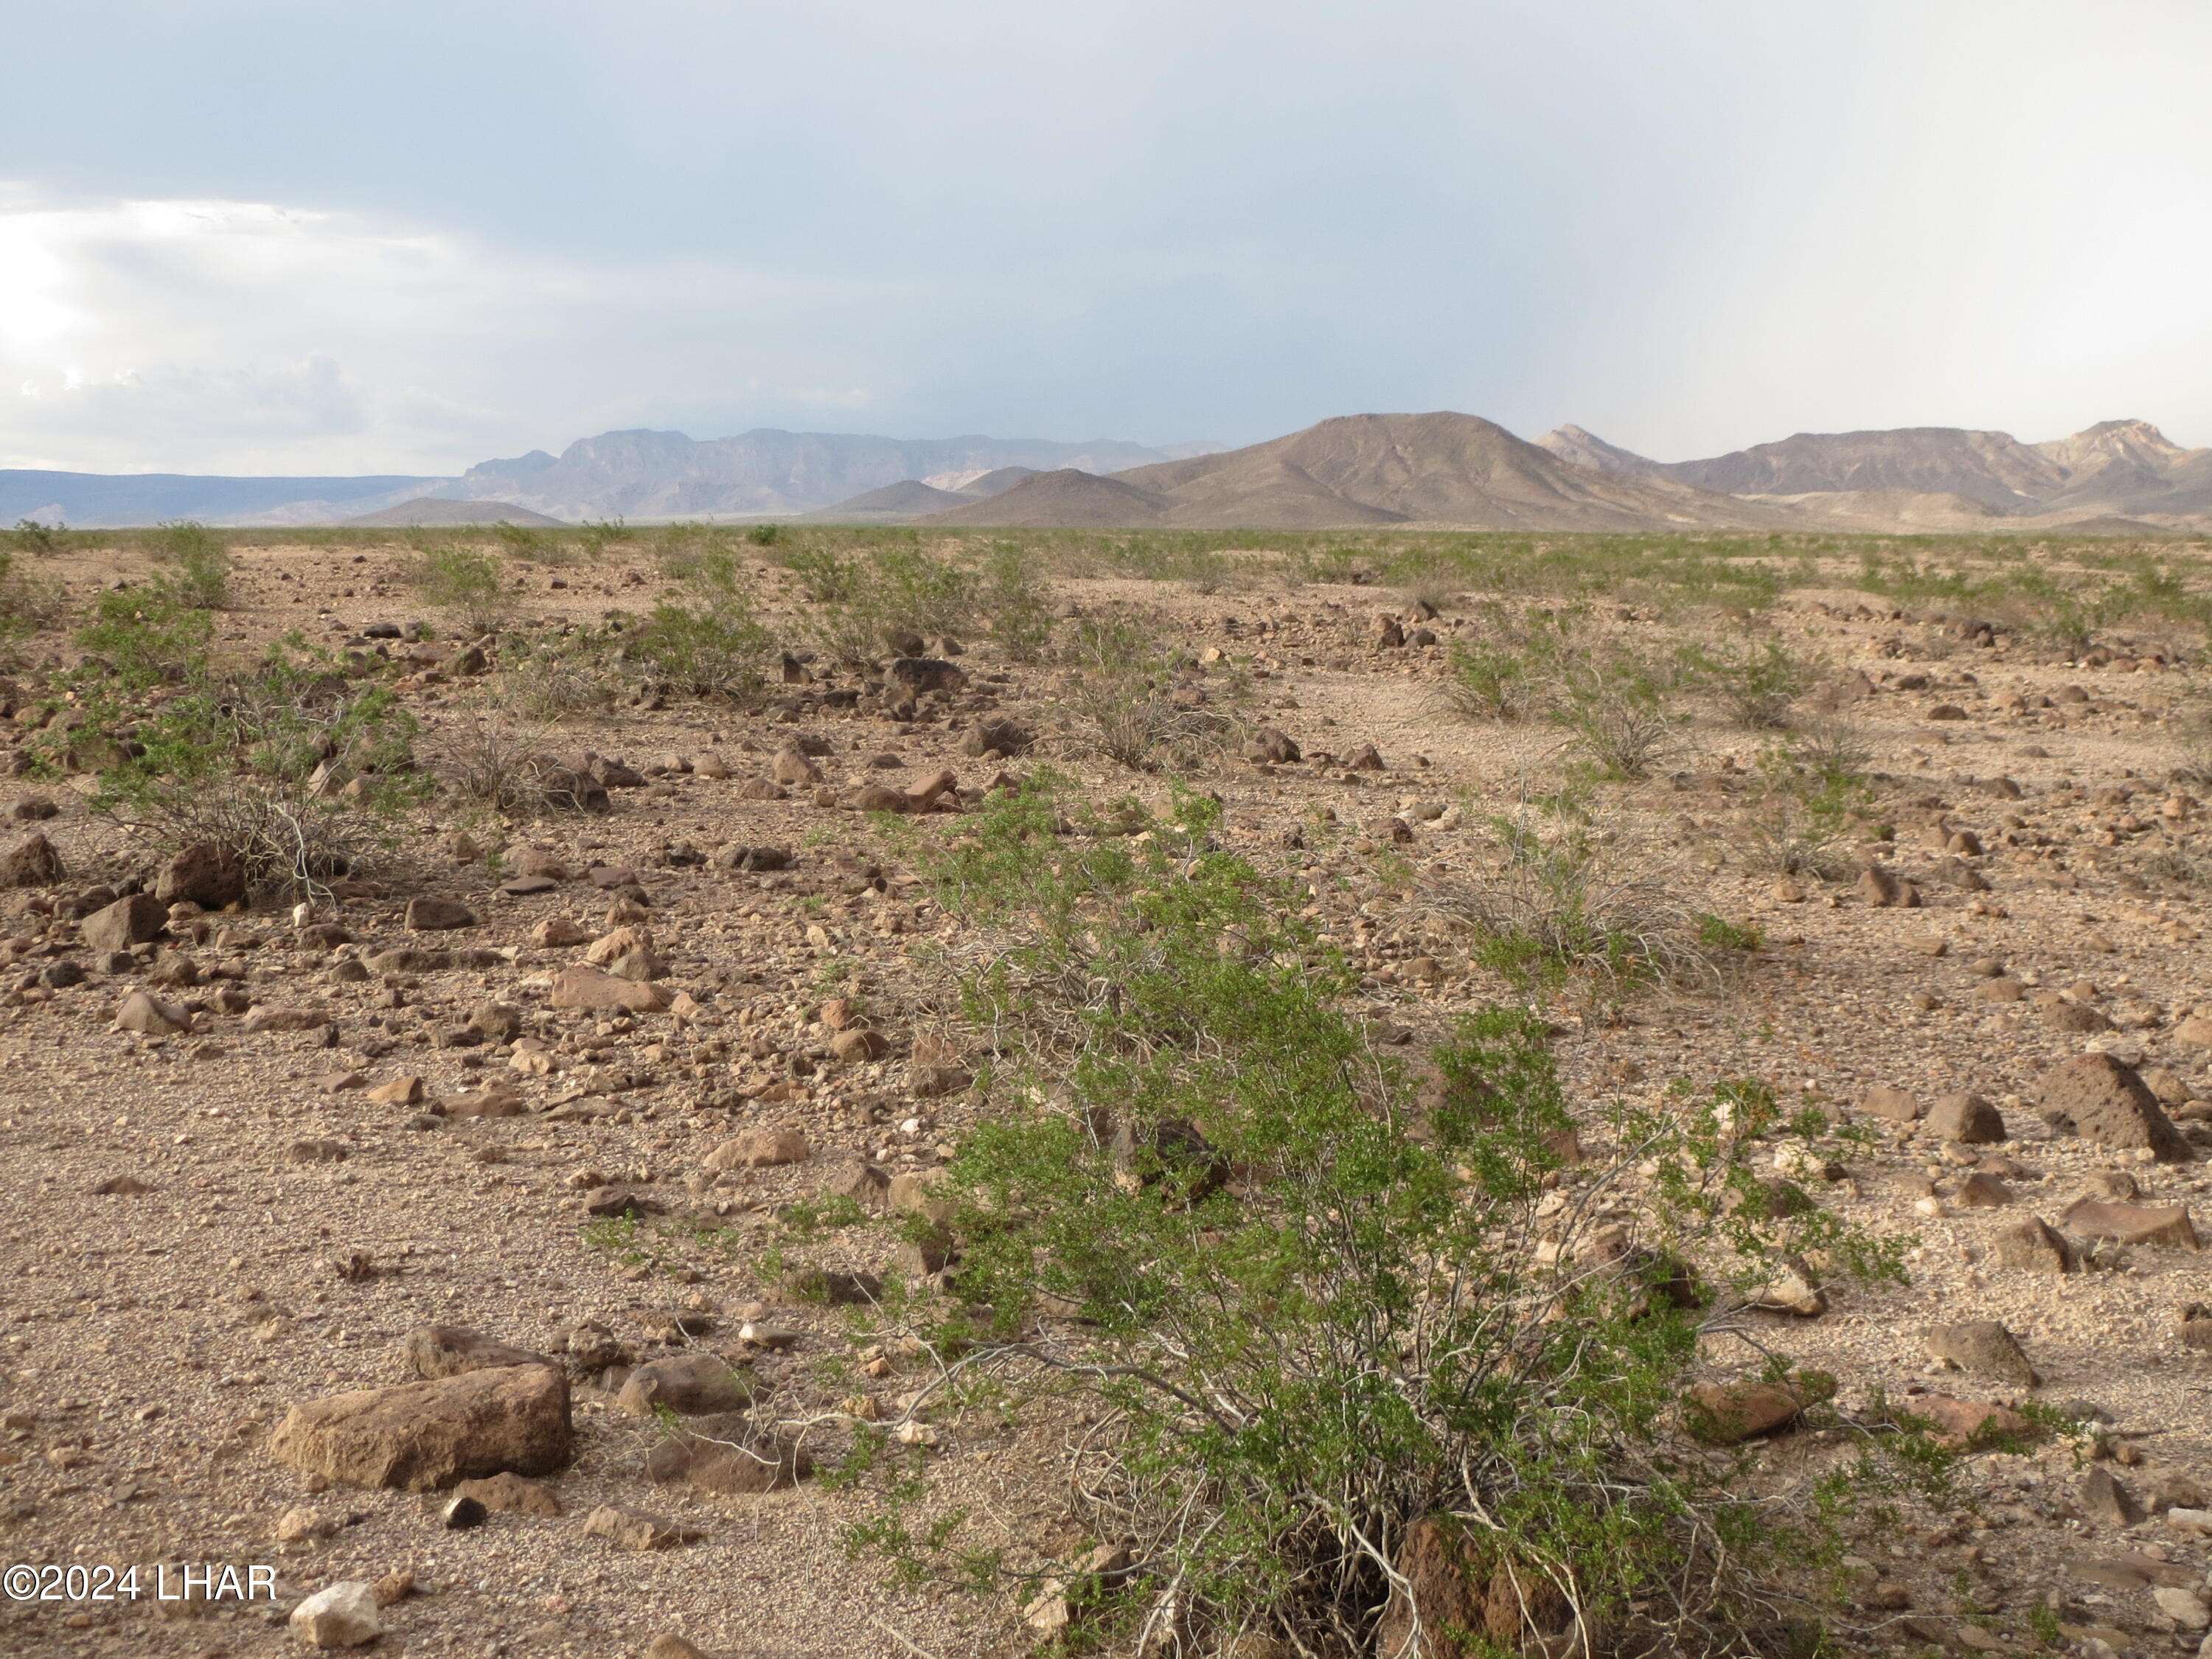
[[250, 336]]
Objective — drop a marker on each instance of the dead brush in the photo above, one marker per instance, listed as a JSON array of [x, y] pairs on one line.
[[1566, 905], [285, 835], [491, 761], [1127, 700], [555, 685]]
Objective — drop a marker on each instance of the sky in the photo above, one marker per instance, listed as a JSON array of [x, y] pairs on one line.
[[326, 236]]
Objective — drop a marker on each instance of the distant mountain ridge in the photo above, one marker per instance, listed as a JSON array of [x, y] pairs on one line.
[[112, 499], [2122, 468], [648, 474], [1440, 468], [1443, 468]]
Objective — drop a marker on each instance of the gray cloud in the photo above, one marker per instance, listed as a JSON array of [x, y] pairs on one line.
[[409, 235]]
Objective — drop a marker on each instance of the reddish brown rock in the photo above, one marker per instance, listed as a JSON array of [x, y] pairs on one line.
[[422, 1436]]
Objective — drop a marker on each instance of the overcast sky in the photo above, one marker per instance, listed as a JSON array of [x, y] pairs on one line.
[[326, 235]]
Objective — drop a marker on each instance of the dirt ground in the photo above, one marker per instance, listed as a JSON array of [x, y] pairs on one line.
[[182, 1270]]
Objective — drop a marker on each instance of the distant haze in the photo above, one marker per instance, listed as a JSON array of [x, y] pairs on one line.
[[258, 237]]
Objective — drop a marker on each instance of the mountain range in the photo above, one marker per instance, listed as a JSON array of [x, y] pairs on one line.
[[1438, 469]]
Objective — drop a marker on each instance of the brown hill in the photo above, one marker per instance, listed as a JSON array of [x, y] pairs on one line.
[[996, 482], [1065, 499], [895, 503], [1441, 469], [1583, 448], [435, 512]]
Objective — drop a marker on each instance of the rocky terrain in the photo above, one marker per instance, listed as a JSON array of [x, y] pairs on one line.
[[469, 1235]]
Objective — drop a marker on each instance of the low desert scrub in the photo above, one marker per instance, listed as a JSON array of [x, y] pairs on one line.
[[1811, 800], [708, 642], [1755, 684], [1125, 699], [599, 537], [290, 766], [1013, 604], [29, 604], [30, 536], [1565, 907], [2192, 747], [1553, 665], [894, 599], [195, 564], [553, 680], [485, 759], [467, 584], [1309, 1314], [531, 543]]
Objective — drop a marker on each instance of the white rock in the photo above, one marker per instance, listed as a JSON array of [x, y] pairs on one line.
[[342, 1616], [2186, 1607], [2190, 1520]]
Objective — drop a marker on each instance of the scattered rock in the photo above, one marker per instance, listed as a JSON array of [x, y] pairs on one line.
[[422, 1435], [1982, 1347], [634, 1529], [2107, 1103], [343, 1615]]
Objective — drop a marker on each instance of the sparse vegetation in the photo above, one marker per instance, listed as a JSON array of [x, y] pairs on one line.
[[709, 643], [1564, 907], [466, 584], [196, 564], [1125, 698], [1201, 1214]]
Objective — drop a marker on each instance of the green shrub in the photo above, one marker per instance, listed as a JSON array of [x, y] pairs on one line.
[[198, 564], [764, 535], [598, 535], [710, 644], [529, 543], [1565, 909], [1013, 604], [32, 537], [1302, 1308], [1812, 797], [896, 598], [466, 583], [28, 602], [138, 638]]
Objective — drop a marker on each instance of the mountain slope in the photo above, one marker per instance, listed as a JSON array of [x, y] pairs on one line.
[[1065, 499], [646, 474], [1442, 468], [1579, 447], [1916, 476], [1994, 468], [898, 503], [434, 511]]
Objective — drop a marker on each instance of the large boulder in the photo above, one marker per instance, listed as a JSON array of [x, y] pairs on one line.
[[204, 873], [420, 1437], [2107, 1103], [126, 923], [31, 862]]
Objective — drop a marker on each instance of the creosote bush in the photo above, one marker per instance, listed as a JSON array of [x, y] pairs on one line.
[[1609, 695], [708, 643], [467, 584], [196, 564], [1307, 1302], [1756, 683]]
